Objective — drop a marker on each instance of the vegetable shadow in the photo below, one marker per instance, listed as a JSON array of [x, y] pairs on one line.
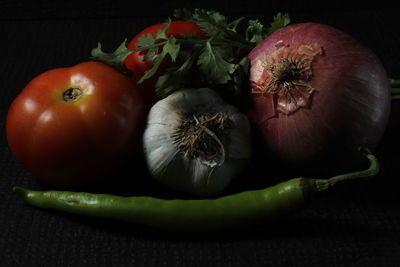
[[302, 225]]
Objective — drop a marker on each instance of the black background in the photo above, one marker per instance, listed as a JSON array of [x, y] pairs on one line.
[[354, 225]]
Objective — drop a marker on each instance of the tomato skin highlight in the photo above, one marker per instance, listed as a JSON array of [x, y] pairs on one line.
[[136, 63], [81, 142]]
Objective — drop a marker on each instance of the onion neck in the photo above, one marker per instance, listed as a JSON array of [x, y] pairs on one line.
[[286, 74]]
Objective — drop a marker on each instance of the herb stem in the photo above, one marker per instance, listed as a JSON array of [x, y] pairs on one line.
[[237, 44], [147, 47]]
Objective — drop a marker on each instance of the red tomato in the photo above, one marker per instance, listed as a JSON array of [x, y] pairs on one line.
[[136, 63], [74, 126]]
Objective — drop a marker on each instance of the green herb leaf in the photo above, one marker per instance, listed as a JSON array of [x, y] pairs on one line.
[[234, 24], [183, 14], [280, 21], [178, 74], [162, 33], [213, 64], [151, 53], [255, 32], [211, 16], [240, 75], [150, 72], [146, 40], [115, 59], [151, 42], [170, 48], [210, 21]]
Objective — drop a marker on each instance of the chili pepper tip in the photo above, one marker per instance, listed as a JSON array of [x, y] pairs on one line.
[[20, 191]]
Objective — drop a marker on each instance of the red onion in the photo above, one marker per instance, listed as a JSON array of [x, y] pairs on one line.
[[317, 91]]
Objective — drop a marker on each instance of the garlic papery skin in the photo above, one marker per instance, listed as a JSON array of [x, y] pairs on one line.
[[196, 143]]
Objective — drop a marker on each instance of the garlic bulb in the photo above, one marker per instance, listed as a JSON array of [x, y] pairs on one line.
[[195, 142]]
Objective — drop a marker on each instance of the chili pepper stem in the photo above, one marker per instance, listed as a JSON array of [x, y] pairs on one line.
[[394, 82], [395, 90], [372, 170]]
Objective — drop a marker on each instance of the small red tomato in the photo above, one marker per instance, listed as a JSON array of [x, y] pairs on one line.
[[74, 126], [136, 63]]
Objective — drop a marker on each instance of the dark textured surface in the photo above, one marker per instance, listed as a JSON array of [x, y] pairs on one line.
[[357, 224]]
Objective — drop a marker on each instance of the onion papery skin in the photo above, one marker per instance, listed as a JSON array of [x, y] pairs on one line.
[[349, 107]]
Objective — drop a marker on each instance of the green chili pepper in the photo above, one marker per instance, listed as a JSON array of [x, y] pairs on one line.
[[227, 212]]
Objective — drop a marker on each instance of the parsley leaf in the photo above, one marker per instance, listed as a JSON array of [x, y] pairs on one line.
[[146, 40], [210, 21], [255, 32], [115, 59], [240, 75], [178, 74], [183, 14], [280, 21], [213, 64], [171, 49]]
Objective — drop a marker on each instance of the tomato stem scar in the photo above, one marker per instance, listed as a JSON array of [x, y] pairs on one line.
[[72, 94]]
